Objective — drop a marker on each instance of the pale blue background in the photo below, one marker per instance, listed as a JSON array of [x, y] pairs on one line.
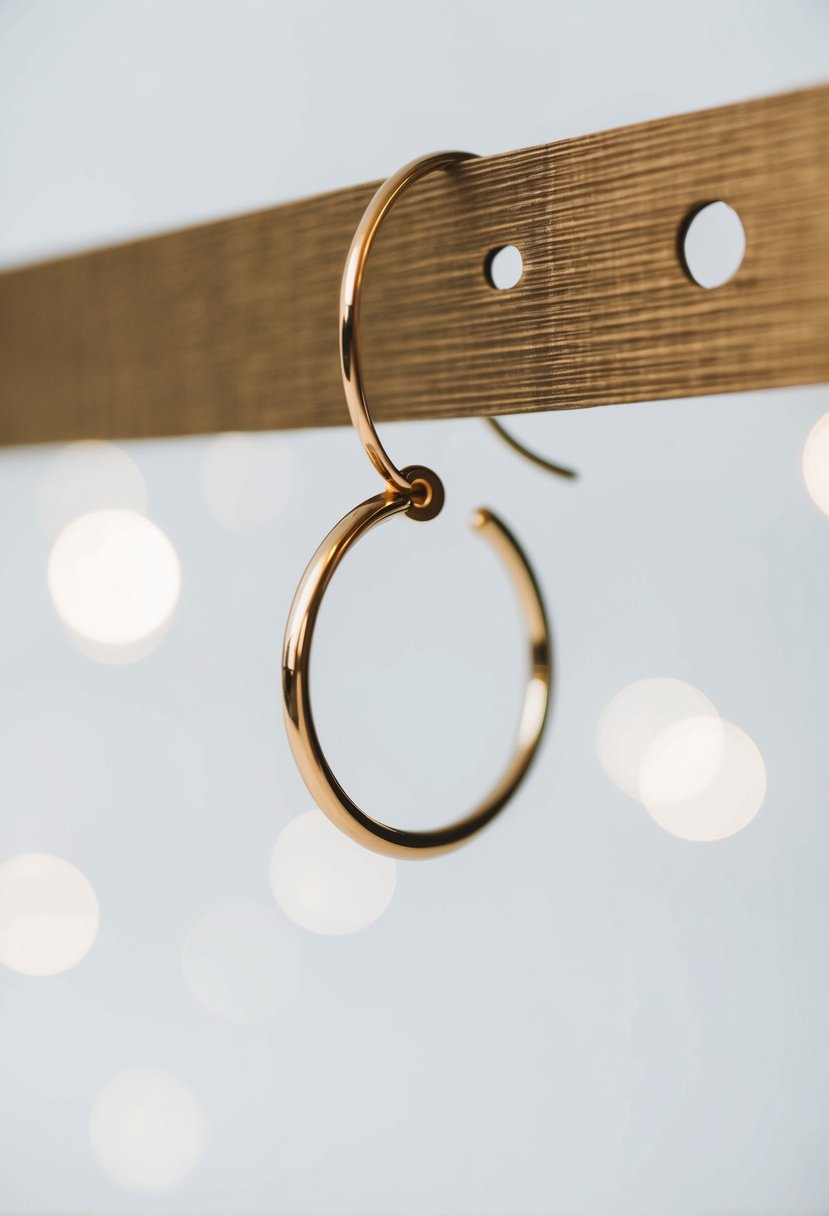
[[580, 1014]]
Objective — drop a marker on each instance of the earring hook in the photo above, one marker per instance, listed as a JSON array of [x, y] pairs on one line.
[[351, 288], [536, 458]]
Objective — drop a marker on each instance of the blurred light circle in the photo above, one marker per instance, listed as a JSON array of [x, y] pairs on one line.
[[114, 578], [48, 914], [718, 807], [816, 463], [326, 882], [242, 962], [635, 716], [84, 477], [147, 1129], [681, 761], [248, 481]]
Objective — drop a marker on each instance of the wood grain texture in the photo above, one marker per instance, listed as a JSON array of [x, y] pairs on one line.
[[233, 325]]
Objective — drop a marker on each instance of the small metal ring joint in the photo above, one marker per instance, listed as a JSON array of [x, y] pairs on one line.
[[418, 492]]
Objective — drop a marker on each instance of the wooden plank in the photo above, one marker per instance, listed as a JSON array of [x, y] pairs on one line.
[[232, 325]]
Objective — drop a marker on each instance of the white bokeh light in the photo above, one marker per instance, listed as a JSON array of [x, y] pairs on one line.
[[816, 463], [242, 962], [326, 882], [147, 1129], [681, 761], [249, 481], [725, 780], [48, 914], [87, 476], [635, 716], [115, 579]]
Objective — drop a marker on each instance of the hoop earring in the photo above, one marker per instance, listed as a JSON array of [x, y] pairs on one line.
[[417, 492]]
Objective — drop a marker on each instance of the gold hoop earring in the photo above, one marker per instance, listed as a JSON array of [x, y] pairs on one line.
[[417, 492]]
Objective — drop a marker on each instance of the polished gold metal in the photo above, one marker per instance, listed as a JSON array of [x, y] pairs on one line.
[[350, 301], [418, 492], [305, 745], [535, 458], [351, 287]]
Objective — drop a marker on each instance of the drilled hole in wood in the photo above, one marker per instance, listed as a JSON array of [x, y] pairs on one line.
[[712, 244], [503, 267]]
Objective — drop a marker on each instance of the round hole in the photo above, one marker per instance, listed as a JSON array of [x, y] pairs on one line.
[[713, 244], [503, 267]]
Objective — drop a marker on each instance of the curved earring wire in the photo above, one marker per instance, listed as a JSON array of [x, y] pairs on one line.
[[327, 791], [351, 287], [536, 458], [418, 492]]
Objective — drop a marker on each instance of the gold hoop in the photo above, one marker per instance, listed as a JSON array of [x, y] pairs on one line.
[[422, 503], [310, 758]]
